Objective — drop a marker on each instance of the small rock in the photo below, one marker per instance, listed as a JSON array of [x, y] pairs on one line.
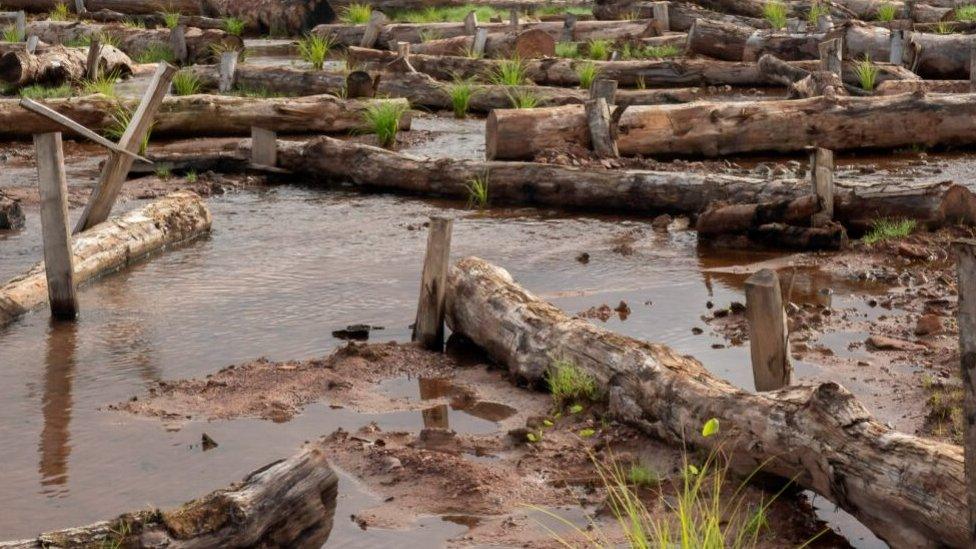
[[696, 330], [11, 214], [583, 258], [661, 222], [929, 325], [883, 343], [207, 442], [390, 463], [911, 251], [359, 332]]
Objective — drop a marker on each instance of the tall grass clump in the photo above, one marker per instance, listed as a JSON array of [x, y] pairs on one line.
[[775, 13], [315, 49], [59, 13], [461, 90], [443, 14], [478, 191], [40, 91], [509, 72], [887, 228], [383, 119], [943, 27], [171, 19], [121, 116], [599, 49], [523, 98], [569, 50], [887, 12], [664, 50], [233, 25], [817, 10], [154, 53], [103, 84], [568, 383], [11, 34], [186, 83], [586, 72], [355, 14], [966, 13], [867, 73]]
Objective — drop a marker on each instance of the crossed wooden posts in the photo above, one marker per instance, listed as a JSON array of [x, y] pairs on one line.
[[58, 257]]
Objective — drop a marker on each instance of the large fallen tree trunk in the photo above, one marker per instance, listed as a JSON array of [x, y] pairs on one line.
[[527, 44], [423, 91], [940, 56], [288, 503], [681, 15], [895, 87], [908, 490], [708, 128], [641, 192], [155, 20], [563, 72], [731, 42], [200, 43], [203, 115], [55, 65], [186, 7], [112, 245]]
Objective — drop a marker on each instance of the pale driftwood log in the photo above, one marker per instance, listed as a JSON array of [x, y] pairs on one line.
[[622, 191], [769, 344], [908, 490], [200, 115], [112, 245], [428, 328], [662, 73], [287, 503], [526, 44], [707, 128], [55, 65], [940, 56]]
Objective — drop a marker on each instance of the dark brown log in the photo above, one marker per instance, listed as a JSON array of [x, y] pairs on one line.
[[527, 44], [188, 7], [740, 218], [288, 503], [718, 39], [801, 83], [358, 84], [831, 236], [908, 490], [11, 214], [707, 128], [55, 65]]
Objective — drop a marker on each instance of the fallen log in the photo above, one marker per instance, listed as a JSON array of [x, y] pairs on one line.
[[802, 83], [527, 44], [659, 73], [202, 115], [896, 87], [681, 15], [423, 91], [55, 65], [940, 56], [731, 42], [155, 20], [739, 218], [908, 490], [708, 128], [641, 192], [200, 43], [288, 503], [112, 245], [188, 7]]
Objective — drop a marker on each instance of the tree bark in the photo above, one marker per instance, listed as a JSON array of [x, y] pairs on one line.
[[681, 15], [133, 41], [186, 7], [526, 44], [155, 20], [739, 218], [641, 192], [896, 87], [662, 73], [712, 129], [112, 245], [55, 65], [940, 56], [288, 503], [800, 82], [202, 115], [908, 490]]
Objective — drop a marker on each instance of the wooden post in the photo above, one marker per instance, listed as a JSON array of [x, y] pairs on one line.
[[117, 166], [20, 23], [513, 19], [177, 42], [661, 19], [793, 25], [824, 23], [605, 88], [598, 119], [402, 62], [228, 66], [373, 28], [822, 173], [470, 22], [966, 265], [32, 41], [831, 56], [264, 147], [480, 39], [569, 28], [614, 55], [429, 326], [94, 56], [769, 345], [58, 259], [972, 67], [80, 7], [897, 47]]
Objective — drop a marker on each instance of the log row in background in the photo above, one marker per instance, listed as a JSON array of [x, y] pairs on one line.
[[55, 65]]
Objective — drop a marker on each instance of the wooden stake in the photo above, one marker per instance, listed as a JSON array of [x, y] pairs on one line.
[[94, 57], [605, 88], [661, 19], [373, 29], [402, 62], [117, 166], [21, 25], [264, 147], [831, 55], [824, 23], [569, 27], [429, 327], [480, 39], [58, 259], [177, 42], [598, 119], [897, 47], [228, 66], [470, 22], [513, 19], [972, 67], [772, 366], [966, 264], [822, 173], [80, 7], [32, 41]]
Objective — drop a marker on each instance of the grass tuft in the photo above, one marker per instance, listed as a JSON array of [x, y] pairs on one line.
[[171, 19], [966, 13], [587, 73], [11, 34], [887, 12], [191, 176], [121, 116], [775, 13], [104, 84], [186, 83], [599, 49], [383, 119], [641, 475], [887, 228], [154, 53], [523, 98], [867, 73], [478, 191], [461, 91], [509, 72], [40, 91], [356, 14], [664, 50], [233, 25], [59, 13], [569, 50], [315, 49], [944, 27], [570, 383], [817, 9]]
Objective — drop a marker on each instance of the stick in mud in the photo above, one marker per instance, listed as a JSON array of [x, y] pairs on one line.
[[429, 327], [605, 88], [177, 42], [661, 20], [228, 66], [897, 49], [264, 147], [822, 173], [966, 254], [601, 136], [373, 28], [831, 56], [58, 259], [80, 7], [91, 62], [972, 68], [471, 22], [769, 345], [32, 42]]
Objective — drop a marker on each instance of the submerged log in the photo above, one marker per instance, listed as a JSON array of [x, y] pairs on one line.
[[707, 128], [642, 192], [739, 218], [55, 65], [288, 503], [112, 245], [202, 115], [909, 491]]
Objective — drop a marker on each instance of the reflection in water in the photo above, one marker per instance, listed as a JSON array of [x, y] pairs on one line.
[[55, 436], [436, 417]]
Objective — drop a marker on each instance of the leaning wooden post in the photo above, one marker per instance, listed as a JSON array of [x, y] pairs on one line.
[[897, 48], [470, 22], [58, 259], [598, 119], [429, 326], [177, 42], [769, 345], [831, 56], [228, 66], [966, 264], [605, 88], [264, 147], [661, 19], [822, 173], [94, 56], [373, 29]]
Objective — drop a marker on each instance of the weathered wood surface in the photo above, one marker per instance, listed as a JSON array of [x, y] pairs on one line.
[[731, 42], [200, 43], [526, 44], [55, 65], [897, 87], [965, 251], [188, 7], [428, 328], [681, 15], [111, 246], [908, 490], [202, 115], [642, 192], [562, 72], [288, 503], [58, 259], [707, 128]]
